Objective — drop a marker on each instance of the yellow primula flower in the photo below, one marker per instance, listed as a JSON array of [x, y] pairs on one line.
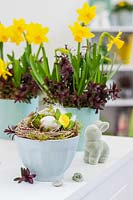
[[79, 32], [3, 70], [86, 13], [36, 33], [4, 33], [115, 40], [64, 120], [19, 25], [15, 35]]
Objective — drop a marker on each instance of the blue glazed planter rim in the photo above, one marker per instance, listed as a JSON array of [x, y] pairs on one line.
[[82, 108], [13, 100], [48, 141], [79, 108]]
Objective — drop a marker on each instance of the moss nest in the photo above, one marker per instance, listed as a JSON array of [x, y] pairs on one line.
[[30, 128]]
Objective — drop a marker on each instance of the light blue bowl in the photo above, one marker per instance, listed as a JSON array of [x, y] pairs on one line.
[[47, 159]]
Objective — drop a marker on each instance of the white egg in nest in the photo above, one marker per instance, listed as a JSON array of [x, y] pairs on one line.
[[49, 122]]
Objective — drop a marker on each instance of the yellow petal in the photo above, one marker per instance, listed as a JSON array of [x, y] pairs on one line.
[[119, 43], [64, 120], [109, 45], [119, 34], [89, 35], [86, 13], [3, 71]]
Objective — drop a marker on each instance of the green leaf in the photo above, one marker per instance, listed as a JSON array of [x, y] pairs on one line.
[[24, 63], [55, 72], [69, 115], [76, 70], [10, 57], [94, 50], [45, 63], [37, 70], [17, 73], [57, 114], [82, 82], [28, 51], [71, 125]]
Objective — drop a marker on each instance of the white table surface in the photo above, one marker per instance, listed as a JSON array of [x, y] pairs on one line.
[[121, 151]]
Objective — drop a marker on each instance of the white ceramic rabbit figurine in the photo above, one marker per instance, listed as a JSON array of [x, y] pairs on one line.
[[96, 150]]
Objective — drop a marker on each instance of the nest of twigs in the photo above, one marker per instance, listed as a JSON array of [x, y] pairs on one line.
[[22, 130]]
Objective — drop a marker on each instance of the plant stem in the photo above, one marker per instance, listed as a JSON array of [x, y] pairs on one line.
[[56, 67], [1, 51], [39, 49], [88, 44], [78, 52], [102, 36], [43, 50]]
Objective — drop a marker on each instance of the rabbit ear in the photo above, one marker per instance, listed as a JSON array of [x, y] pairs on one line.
[[104, 126]]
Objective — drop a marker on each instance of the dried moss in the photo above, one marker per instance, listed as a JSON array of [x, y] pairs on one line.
[[37, 137], [34, 121]]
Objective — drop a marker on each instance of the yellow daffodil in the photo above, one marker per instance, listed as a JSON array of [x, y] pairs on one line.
[[19, 24], [4, 33], [115, 40], [36, 33], [79, 32], [15, 35], [3, 71], [86, 13], [64, 120], [121, 4]]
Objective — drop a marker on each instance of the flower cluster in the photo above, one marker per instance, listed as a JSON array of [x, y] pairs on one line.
[[73, 73], [85, 16], [16, 81], [123, 5], [20, 31], [79, 79]]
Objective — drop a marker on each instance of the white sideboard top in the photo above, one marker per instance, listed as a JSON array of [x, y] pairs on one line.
[[121, 151]]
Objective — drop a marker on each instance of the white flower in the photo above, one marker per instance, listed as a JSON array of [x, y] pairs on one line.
[[61, 108], [73, 118], [49, 122]]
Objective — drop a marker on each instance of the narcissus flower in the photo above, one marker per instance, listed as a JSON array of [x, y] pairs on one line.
[[79, 32], [86, 13], [36, 33], [19, 24], [3, 71], [15, 35], [115, 40], [64, 120], [122, 4], [4, 33]]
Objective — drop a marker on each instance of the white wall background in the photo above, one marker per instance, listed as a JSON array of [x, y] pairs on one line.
[[56, 14]]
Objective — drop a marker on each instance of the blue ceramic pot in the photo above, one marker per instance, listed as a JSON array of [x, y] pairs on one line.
[[85, 116], [47, 159], [122, 18], [11, 113]]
